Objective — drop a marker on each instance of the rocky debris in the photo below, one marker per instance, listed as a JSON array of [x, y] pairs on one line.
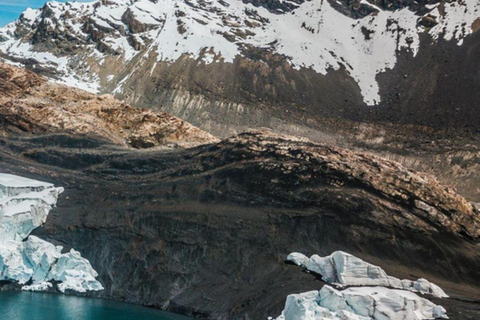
[[343, 269], [358, 9], [15, 81], [135, 25], [444, 208], [32, 105], [24, 258], [276, 6], [366, 303], [428, 21], [355, 9]]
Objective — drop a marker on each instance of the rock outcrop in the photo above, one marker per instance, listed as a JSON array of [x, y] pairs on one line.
[[227, 66], [31, 104], [349, 43], [211, 225]]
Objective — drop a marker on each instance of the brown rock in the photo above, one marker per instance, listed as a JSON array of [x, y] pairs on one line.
[[31, 104]]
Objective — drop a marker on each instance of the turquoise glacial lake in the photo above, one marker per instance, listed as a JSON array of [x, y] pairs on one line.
[[45, 306]]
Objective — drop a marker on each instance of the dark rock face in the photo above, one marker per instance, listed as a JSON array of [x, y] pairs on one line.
[[438, 87], [276, 6], [134, 25], [356, 9], [205, 231], [427, 120]]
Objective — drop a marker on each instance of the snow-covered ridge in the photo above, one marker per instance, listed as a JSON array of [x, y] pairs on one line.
[[26, 259], [343, 269], [369, 295], [314, 35]]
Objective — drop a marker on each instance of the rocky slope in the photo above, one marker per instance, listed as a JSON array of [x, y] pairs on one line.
[[210, 32], [211, 226], [302, 68], [30, 104]]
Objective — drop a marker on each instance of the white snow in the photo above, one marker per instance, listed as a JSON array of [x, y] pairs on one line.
[[457, 21], [30, 14], [312, 36], [24, 206]]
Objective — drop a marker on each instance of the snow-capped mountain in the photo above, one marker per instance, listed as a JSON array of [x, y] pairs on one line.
[[78, 39]]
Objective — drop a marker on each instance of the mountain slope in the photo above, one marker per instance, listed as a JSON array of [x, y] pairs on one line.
[[301, 68], [30, 104], [314, 47], [204, 231]]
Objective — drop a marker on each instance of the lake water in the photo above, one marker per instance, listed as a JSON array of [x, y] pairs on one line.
[[11, 9], [45, 306]]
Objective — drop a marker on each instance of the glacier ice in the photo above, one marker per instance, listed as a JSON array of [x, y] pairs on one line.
[[359, 303], [297, 258], [371, 294], [24, 206], [343, 269], [75, 272]]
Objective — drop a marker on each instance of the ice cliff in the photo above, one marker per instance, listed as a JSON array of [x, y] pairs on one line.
[[372, 294], [359, 303], [343, 269], [29, 260]]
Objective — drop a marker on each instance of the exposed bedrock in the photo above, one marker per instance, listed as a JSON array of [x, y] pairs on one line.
[[437, 87], [205, 231]]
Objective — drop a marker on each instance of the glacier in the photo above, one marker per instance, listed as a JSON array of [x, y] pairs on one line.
[[27, 259], [360, 303], [370, 294], [343, 269]]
